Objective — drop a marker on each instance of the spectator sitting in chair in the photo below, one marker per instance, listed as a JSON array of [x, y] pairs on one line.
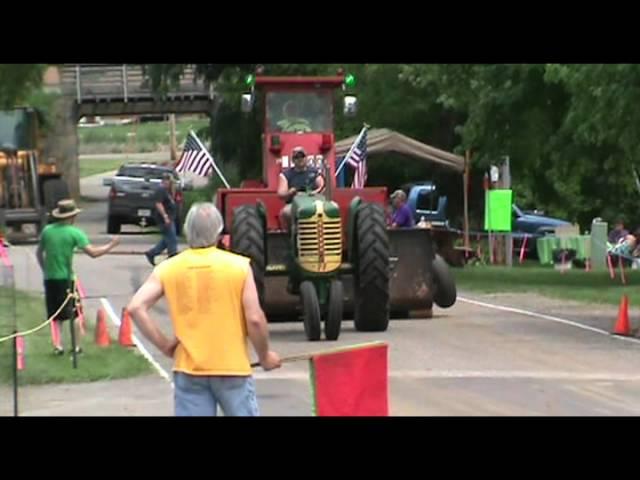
[[619, 232], [625, 249]]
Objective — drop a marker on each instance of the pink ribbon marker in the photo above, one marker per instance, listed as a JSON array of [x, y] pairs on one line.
[[20, 352]]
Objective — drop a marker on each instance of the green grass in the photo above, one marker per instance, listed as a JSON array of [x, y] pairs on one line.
[[41, 366], [575, 284], [92, 166], [140, 138]]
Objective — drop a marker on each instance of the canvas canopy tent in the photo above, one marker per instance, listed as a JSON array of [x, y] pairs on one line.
[[384, 140]]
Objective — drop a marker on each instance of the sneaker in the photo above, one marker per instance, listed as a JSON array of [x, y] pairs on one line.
[[150, 259], [58, 351], [78, 351]]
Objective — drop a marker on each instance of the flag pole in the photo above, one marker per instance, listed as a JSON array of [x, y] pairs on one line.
[[344, 160], [224, 180], [307, 356]]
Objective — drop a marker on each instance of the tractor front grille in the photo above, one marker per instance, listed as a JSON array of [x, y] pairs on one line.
[[320, 242]]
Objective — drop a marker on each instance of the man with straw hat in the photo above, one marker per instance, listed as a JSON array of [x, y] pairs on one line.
[[58, 242]]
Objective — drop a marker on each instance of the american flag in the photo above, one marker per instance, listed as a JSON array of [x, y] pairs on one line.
[[195, 158], [358, 160]]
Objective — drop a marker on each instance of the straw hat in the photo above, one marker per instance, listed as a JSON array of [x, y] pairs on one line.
[[66, 209]]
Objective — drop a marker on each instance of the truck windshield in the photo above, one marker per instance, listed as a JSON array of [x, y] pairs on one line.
[[427, 199], [299, 111], [141, 172], [15, 129]]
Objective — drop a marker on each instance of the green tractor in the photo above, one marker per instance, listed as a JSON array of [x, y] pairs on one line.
[[337, 256], [310, 258]]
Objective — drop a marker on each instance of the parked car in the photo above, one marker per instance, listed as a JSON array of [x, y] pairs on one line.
[[533, 225], [132, 195]]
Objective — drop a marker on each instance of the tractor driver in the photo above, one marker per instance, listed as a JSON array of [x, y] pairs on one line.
[[300, 178]]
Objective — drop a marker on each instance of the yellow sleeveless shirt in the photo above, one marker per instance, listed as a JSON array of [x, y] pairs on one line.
[[203, 288]]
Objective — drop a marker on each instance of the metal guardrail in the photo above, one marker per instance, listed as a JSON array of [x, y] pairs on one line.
[[91, 82]]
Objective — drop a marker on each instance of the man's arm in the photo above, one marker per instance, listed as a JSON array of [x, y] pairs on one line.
[[257, 325], [145, 298], [162, 193], [410, 221], [319, 183], [95, 252], [284, 192], [394, 219]]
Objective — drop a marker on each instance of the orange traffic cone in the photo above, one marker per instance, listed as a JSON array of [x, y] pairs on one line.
[[622, 326], [125, 337], [102, 333]]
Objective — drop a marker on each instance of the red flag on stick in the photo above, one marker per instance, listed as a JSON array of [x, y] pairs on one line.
[[352, 382]]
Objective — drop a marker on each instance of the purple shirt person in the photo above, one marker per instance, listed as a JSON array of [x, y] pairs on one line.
[[402, 217]]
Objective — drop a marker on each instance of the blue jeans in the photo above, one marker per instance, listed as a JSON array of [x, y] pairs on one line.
[[199, 396], [169, 240]]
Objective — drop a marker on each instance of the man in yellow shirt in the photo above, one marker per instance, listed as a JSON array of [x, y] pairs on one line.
[[214, 307]]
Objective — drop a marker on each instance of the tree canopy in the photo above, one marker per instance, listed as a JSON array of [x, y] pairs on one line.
[[570, 131]]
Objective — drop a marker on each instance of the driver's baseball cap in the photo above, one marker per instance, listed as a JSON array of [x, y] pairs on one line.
[[298, 152]]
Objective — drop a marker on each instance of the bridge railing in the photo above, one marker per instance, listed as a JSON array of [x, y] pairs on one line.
[[92, 82]]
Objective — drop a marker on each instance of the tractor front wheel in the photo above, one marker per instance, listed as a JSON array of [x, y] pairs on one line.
[[310, 311], [333, 321]]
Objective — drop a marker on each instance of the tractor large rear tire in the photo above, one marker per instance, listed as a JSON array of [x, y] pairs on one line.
[[247, 238], [371, 286], [54, 190], [444, 285], [333, 321], [310, 311]]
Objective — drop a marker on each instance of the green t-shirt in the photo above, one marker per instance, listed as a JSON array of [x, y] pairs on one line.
[[59, 241]]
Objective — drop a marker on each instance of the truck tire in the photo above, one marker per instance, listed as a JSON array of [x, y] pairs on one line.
[[333, 322], [54, 190], [310, 311], [371, 279], [113, 225], [247, 238], [443, 283]]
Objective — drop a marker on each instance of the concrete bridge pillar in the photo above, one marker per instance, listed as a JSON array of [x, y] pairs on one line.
[[61, 142]]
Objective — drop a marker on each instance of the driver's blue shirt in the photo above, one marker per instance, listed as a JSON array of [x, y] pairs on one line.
[[301, 180]]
